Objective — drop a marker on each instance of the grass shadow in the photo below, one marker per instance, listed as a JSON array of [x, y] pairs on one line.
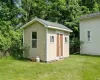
[[86, 55]]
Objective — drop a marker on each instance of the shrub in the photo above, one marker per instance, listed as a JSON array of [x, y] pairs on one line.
[[10, 40], [75, 44], [17, 50]]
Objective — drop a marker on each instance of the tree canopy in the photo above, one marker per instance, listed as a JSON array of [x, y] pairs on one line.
[[15, 13]]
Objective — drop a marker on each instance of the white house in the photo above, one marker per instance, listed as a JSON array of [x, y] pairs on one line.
[[90, 34], [47, 40]]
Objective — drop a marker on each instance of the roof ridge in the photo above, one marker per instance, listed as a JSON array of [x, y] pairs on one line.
[[40, 20], [50, 21]]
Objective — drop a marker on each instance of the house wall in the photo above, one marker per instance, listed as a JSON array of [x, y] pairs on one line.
[[93, 46], [52, 46], [41, 40]]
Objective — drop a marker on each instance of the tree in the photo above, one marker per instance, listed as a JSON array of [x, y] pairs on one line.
[[15, 13]]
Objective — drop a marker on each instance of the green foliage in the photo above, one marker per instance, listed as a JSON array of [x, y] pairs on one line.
[[5, 40], [17, 50], [15, 14], [9, 38], [75, 44]]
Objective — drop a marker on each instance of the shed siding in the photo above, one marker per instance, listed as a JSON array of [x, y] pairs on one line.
[[66, 44], [93, 46], [52, 46], [41, 40]]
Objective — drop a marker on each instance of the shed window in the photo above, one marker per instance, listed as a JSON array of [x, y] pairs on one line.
[[88, 35], [34, 39], [66, 40], [51, 38]]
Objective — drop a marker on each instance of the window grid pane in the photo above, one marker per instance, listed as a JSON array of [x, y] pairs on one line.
[[51, 38], [34, 43], [88, 35], [34, 35], [65, 39]]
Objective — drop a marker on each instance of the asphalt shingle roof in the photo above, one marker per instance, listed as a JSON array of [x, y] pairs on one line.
[[90, 15], [48, 23]]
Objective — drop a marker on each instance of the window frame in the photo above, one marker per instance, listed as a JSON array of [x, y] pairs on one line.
[[51, 39], [88, 36], [34, 39], [66, 39]]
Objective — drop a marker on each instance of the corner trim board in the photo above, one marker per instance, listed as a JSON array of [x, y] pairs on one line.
[[46, 43]]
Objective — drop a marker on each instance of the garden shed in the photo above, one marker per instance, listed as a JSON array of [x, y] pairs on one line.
[[47, 40]]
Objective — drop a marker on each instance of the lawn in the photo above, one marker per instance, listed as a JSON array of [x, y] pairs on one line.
[[76, 67]]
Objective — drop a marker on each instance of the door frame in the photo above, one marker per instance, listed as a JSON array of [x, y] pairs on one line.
[[58, 32]]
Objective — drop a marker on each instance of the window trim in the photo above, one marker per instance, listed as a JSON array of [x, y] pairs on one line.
[[34, 39], [88, 36], [66, 39], [51, 39]]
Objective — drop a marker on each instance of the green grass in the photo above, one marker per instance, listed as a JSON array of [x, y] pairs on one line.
[[76, 67]]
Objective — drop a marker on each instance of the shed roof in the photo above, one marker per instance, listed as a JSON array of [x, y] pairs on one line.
[[90, 15], [48, 24]]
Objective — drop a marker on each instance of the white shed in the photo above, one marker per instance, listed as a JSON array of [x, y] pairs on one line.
[[90, 34], [47, 40]]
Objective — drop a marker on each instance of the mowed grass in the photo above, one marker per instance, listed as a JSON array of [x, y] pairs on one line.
[[76, 67]]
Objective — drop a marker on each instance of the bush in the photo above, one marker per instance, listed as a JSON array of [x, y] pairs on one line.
[[17, 50], [75, 44], [10, 40]]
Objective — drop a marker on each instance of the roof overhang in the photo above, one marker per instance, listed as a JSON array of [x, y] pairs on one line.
[[31, 22], [52, 27]]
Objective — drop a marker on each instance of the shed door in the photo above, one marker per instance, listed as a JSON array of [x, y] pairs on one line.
[[59, 45]]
